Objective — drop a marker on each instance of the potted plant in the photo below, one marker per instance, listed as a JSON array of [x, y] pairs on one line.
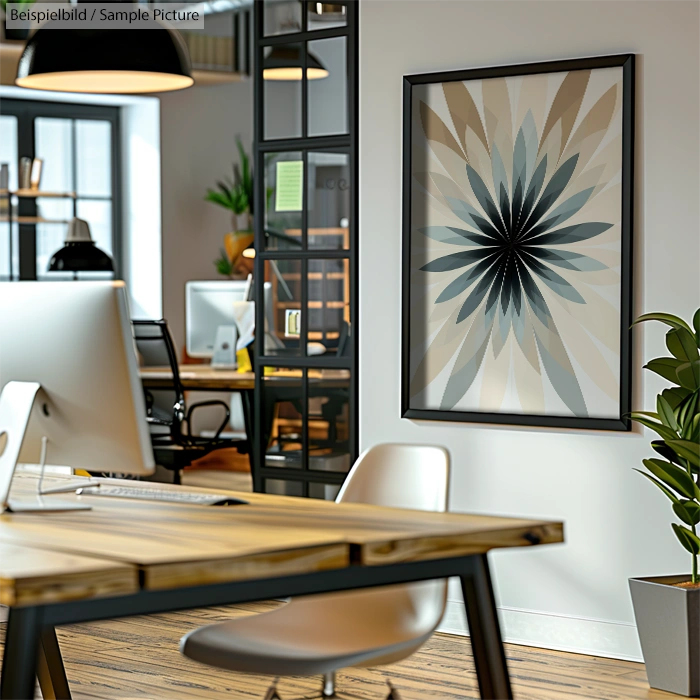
[[237, 196], [667, 608], [17, 33]]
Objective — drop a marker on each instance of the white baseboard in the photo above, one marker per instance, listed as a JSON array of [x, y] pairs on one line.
[[616, 640]]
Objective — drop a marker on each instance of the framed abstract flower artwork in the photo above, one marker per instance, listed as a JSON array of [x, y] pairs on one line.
[[517, 224]]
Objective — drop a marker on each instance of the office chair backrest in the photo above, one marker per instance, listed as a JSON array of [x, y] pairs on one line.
[[156, 349], [399, 476]]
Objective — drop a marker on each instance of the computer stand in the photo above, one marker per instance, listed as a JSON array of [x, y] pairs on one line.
[[16, 403]]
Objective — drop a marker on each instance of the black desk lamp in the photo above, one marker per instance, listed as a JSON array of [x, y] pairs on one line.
[[80, 254]]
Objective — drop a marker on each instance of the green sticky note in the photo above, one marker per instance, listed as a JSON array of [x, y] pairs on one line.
[[290, 185]]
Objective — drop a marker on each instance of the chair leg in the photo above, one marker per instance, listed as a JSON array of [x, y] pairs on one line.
[[328, 689], [272, 693], [393, 693], [176, 477]]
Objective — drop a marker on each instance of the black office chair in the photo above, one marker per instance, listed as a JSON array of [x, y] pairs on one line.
[[169, 419]]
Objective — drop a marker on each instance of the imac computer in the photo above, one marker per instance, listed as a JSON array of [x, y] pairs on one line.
[[209, 312], [71, 393]]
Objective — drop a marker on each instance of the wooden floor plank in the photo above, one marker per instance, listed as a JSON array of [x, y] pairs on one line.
[[138, 659]]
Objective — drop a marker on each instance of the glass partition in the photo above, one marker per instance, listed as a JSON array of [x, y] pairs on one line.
[[305, 265]]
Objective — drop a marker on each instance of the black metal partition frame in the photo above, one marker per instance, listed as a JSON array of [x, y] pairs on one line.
[[343, 143]]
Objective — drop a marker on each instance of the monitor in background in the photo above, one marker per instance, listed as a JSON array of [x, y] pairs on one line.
[[69, 374], [209, 305]]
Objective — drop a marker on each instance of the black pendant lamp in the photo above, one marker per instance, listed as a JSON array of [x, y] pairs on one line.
[[80, 254], [105, 60], [284, 63]]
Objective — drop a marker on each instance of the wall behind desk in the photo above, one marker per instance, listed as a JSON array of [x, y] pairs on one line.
[[198, 146], [571, 596]]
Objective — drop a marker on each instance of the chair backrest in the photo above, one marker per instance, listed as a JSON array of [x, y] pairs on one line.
[[399, 476], [156, 349], [402, 476]]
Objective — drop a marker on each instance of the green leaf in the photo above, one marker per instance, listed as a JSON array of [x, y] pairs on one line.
[[667, 491], [674, 477], [675, 395], [223, 264], [689, 540], [666, 415], [218, 198], [692, 430], [696, 325], [665, 367], [687, 511], [665, 451], [686, 449], [668, 319], [688, 375], [682, 344], [666, 433], [687, 408]]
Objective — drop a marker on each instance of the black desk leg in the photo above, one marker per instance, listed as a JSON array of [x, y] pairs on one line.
[[50, 669], [247, 401], [19, 661], [485, 633]]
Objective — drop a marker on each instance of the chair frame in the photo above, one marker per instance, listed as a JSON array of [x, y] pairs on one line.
[[181, 414]]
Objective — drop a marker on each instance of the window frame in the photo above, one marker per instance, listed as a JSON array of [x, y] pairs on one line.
[[26, 112]]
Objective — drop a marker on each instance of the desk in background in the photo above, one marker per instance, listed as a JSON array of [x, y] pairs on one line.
[[282, 385], [128, 558]]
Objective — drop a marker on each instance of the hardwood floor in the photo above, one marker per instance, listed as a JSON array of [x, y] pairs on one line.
[[138, 659]]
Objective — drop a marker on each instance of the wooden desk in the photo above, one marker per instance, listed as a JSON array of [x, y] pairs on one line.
[[204, 378], [198, 378], [132, 557]]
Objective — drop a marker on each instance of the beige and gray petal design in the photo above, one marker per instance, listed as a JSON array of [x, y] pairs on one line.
[[515, 240]]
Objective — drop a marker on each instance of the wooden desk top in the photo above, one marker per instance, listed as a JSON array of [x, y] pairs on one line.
[[204, 377], [174, 545]]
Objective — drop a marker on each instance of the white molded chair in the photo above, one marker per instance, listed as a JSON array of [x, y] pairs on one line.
[[321, 634]]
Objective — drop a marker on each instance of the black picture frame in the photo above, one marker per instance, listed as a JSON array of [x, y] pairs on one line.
[[621, 423]]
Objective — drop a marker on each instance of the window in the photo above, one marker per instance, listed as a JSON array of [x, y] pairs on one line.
[[79, 146]]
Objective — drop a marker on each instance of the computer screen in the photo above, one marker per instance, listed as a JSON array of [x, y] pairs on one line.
[[209, 305], [74, 340]]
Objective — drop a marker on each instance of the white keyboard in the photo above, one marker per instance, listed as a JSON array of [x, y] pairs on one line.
[[162, 495]]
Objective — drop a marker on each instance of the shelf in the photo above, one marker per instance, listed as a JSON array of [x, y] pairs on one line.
[[33, 194], [296, 276], [33, 220], [318, 231], [216, 77], [311, 304], [38, 193]]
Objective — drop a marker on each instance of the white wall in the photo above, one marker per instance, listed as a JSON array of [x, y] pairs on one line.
[[198, 147], [571, 596]]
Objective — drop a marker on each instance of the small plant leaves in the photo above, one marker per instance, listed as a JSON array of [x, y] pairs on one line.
[[665, 367], [668, 319], [674, 477], [666, 415], [689, 540], [688, 375]]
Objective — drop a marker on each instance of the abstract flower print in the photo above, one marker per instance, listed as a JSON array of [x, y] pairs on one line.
[[515, 244]]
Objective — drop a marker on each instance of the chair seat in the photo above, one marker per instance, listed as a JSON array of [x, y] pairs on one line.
[[319, 634]]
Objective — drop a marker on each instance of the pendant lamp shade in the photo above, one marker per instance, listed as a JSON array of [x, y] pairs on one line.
[[284, 63], [105, 61], [80, 254]]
